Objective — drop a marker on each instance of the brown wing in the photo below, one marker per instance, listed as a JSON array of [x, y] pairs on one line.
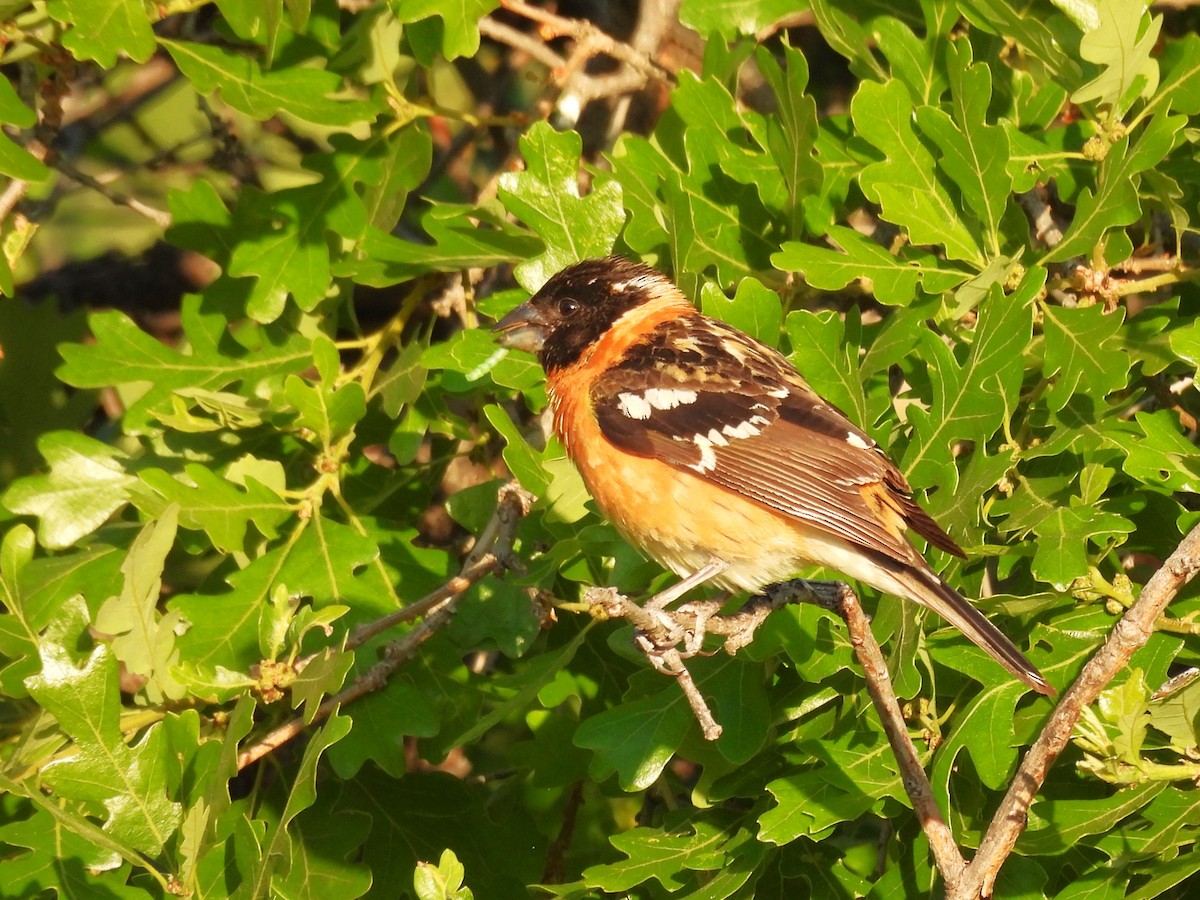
[[707, 399]]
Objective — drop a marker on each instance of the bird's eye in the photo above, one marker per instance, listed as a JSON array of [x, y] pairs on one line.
[[568, 306]]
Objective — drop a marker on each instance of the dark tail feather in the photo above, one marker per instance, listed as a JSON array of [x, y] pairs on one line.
[[959, 612]]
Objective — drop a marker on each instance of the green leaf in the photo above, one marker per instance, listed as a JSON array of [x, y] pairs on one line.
[[297, 90], [545, 196], [1081, 354], [123, 351], [128, 782], [792, 132], [1064, 526], [64, 855], [971, 399], [1115, 201], [1121, 43], [637, 739], [278, 854], [281, 237], [17, 162], [522, 460], [973, 153], [103, 29], [1180, 87], [849, 38], [143, 640], [443, 881], [1013, 22], [1161, 455], [893, 279], [329, 411], [85, 486], [706, 211], [460, 31], [754, 309], [323, 676], [457, 245], [905, 185], [828, 359], [669, 854], [215, 504], [855, 771], [640, 168]]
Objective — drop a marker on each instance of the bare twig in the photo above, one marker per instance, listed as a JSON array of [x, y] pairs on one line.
[[1130, 633], [492, 554]]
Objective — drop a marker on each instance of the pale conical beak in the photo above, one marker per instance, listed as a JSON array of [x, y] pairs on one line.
[[522, 329]]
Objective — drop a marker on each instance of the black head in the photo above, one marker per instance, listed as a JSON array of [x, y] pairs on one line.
[[578, 305]]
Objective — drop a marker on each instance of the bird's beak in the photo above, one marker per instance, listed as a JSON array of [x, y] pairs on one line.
[[522, 329]]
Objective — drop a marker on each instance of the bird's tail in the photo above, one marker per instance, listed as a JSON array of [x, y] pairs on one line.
[[932, 592]]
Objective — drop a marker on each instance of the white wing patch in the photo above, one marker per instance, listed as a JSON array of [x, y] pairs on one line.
[[706, 442], [854, 439], [641, 406]]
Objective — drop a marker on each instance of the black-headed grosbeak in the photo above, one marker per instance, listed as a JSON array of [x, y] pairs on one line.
[[708, 451]]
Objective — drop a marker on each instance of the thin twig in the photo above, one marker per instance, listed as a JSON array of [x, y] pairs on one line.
[[1130, 633], [492, 554], [159, 217]]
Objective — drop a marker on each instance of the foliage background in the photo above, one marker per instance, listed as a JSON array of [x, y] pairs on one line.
[[968, 223]]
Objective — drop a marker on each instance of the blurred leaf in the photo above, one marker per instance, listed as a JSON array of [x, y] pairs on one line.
[[103, 29], [460, 34], [732, 18], [301, 92]]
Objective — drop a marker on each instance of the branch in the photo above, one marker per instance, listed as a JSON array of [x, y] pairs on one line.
[[492, 554], [1130, 633]]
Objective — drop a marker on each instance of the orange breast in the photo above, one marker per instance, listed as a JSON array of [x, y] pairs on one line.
[[678, 519]]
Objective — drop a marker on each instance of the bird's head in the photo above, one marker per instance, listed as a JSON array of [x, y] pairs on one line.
[[579, 305]]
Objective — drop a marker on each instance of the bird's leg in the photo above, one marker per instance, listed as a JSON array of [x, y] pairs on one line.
[[660, 600], [656, 607]]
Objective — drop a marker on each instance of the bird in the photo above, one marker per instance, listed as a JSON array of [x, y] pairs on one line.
[[709, 452]]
